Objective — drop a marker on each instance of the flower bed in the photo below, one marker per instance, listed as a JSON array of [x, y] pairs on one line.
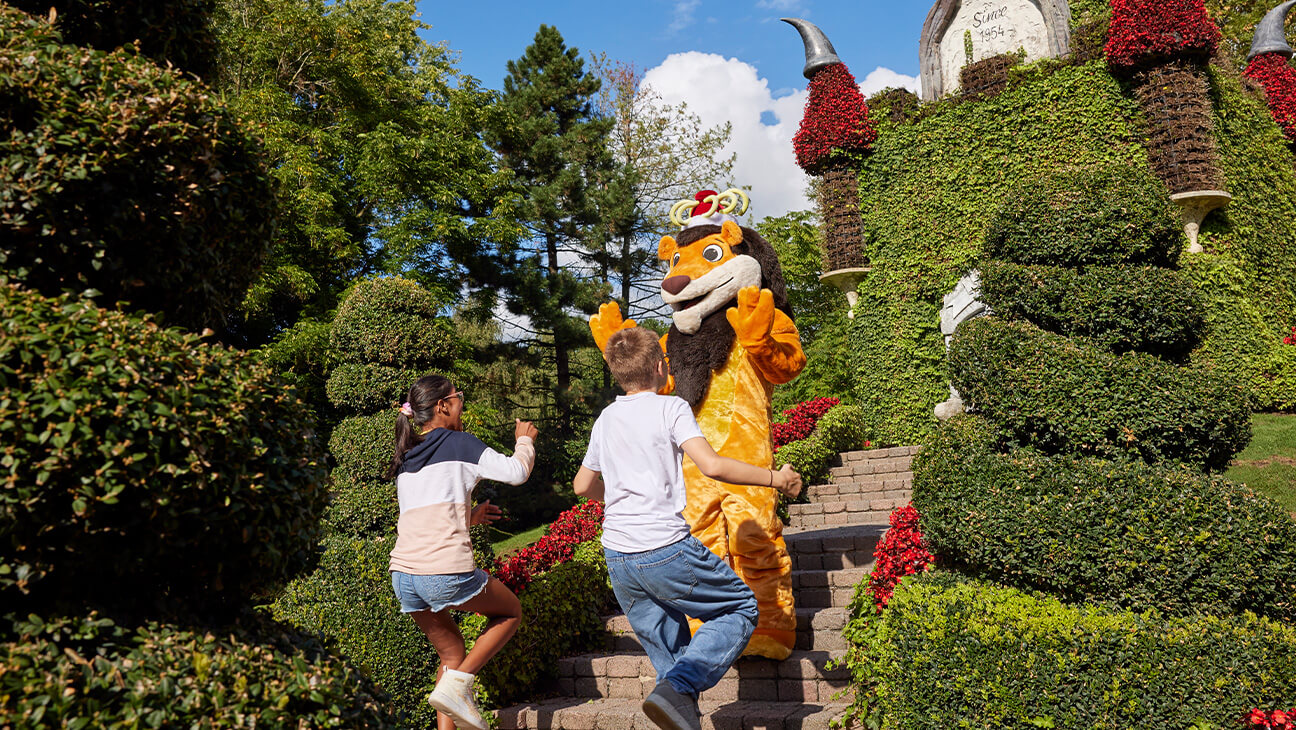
[[1258, 719], [902, 552], [576, 525], [1275, 74], [836, 119], [800, 420], [1144, 31]]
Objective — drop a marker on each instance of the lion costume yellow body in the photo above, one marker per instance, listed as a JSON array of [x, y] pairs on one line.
[[730, 344]]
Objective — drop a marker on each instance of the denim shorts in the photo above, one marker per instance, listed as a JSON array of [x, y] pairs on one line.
[[437, 592]]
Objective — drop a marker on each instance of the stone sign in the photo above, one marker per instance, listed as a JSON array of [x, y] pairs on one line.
[[1041, 28]]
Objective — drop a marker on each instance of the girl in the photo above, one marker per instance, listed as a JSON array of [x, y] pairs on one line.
[[436, 466]]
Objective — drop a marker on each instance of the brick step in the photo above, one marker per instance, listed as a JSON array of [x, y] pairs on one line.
[[875, 486], [833, 548], [802, 677], [877, 468], [849, 503], [626, 714], [839, 518], [821, 588], [879, 454], [818, 629]]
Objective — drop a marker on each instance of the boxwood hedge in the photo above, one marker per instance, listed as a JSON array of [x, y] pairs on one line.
[[1065, 397], [1122, 532], [1099, 216], [1118, 308], [967, 654], [392, 322], [124, 177], [142, 464], [87, 672]]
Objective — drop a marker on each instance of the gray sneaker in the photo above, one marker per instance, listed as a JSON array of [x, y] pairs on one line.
[[671, 710]]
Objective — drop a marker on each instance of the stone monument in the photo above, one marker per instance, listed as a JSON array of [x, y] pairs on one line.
[[959, 306], [1041, 28]]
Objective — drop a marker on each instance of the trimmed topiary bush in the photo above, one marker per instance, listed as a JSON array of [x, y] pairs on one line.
[[1087, 217], [124, 177], [1117, 308], [391, 322], [1121, 532], [87, 672], [362, 447], [968, 654], [141, 465], [368, 388], [1063, 397]]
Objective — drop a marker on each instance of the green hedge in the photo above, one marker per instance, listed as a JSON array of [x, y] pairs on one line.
[[357, 388], [1056, 394], [1115, 214], [121, 176], [1118, 308], [1133, 535], [840, 429], [86, 672], [968, 654], [393, 322], [362, 447], [349, 601], [141, 465]]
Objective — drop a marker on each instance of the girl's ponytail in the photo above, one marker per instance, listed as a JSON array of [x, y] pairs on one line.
[[414, 413]]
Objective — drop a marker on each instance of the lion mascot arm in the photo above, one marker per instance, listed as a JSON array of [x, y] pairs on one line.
[[767, 334], [608, 322]]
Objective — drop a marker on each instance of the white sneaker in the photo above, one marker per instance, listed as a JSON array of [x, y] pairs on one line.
[[453, 695]]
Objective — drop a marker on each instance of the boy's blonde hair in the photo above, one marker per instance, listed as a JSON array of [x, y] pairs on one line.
[[632, 355]]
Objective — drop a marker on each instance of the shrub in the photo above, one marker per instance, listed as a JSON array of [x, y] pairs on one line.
[[1046, 391], [968, 654], [140, 464], [362, 447], [87, 672], [799, 421], [573, 527], [357, 388], [1136, 536], [393, 322], [362, 509], [840, 429], [124, 177], [1278, 78], [1118, 308], [1087, 217]]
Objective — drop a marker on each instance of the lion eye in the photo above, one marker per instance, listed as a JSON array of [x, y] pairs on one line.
[[713, 253], [675, 260]]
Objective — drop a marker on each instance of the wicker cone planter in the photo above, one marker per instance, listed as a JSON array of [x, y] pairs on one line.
[[840, 211], [1175, 99]]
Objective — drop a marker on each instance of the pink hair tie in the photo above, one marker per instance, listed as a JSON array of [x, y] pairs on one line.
[[407, 410]]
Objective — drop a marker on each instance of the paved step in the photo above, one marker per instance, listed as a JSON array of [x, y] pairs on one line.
[[881, 486], [818, 629], [826, 588], [616, 713], [833, 548], [802, 677]]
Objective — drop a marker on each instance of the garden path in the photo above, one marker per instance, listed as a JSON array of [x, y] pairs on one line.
[[831, 540]]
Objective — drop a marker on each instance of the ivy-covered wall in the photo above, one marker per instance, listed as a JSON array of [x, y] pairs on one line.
[[933, 181]]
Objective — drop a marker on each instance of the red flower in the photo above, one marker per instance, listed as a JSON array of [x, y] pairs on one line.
[[836, 119], [800, 420], [1258, 719], [576, 525], [1278, 78], [1149, 30], [903, 551], [1290, 339]]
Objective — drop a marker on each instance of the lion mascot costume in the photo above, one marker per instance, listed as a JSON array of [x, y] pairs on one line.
[[730, 343]]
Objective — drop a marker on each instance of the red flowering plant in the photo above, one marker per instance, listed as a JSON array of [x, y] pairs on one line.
[[799, 421], [1258, 719], [1145, 31], [903, 551], [1278, 78], [576, 525], [1290, 339], [836, 119]]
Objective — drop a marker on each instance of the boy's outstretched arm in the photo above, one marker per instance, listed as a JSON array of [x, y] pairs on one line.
[[732, 471], [588, 483]]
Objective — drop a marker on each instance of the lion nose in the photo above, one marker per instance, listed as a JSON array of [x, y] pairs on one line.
[[676, 284]]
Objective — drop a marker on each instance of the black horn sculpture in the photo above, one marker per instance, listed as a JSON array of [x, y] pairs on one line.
[[1270, 37], [820, 53]]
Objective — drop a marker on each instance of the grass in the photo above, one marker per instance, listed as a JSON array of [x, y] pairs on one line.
[[504, 543], [1268, 465]]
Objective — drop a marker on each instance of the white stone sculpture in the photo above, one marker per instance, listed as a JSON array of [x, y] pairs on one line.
[[959, 306]]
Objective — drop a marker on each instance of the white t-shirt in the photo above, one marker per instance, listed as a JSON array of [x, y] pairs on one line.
[[636, 445]]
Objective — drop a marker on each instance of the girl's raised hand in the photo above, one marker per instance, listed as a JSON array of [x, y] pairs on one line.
[[524, 428], [484, 514]]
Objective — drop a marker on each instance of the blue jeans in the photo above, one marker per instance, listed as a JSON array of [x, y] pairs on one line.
[[659, 589]]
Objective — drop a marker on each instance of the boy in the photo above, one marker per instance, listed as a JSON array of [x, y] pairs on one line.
[[660, 573]]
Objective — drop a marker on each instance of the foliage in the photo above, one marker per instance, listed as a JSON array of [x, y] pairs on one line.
[[799, 421], [89, 672], [1118, 308], [1058, 395], [902, 552], [368, 388], [374, 141], [836, 119], [1268, 464], [144, 465], [963, 653], [1150, 31], [1121, 532], [123, 177], [1274, 72], [1103, 216], [840, 429], [392, 321], [176, 32], [362, 447], [577, 525]]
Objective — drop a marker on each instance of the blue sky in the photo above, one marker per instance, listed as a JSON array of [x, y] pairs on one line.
[[729, 62]]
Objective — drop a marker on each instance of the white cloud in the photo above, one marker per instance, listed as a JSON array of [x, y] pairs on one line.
[[783, 6], [721, 90], [682, 15]]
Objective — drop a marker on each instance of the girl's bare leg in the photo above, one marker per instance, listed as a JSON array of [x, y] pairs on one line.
[[444, 634], [503, 611]]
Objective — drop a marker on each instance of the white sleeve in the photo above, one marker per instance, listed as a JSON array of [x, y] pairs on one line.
[[513, 469], [591, 460], [683, 426]]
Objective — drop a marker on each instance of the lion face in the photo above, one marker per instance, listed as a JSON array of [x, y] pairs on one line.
[[705, 275]]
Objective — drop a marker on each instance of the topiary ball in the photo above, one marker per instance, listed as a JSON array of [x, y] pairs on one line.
[[394, 322]]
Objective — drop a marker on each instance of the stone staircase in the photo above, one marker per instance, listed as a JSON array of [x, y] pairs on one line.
[[831, 541]]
